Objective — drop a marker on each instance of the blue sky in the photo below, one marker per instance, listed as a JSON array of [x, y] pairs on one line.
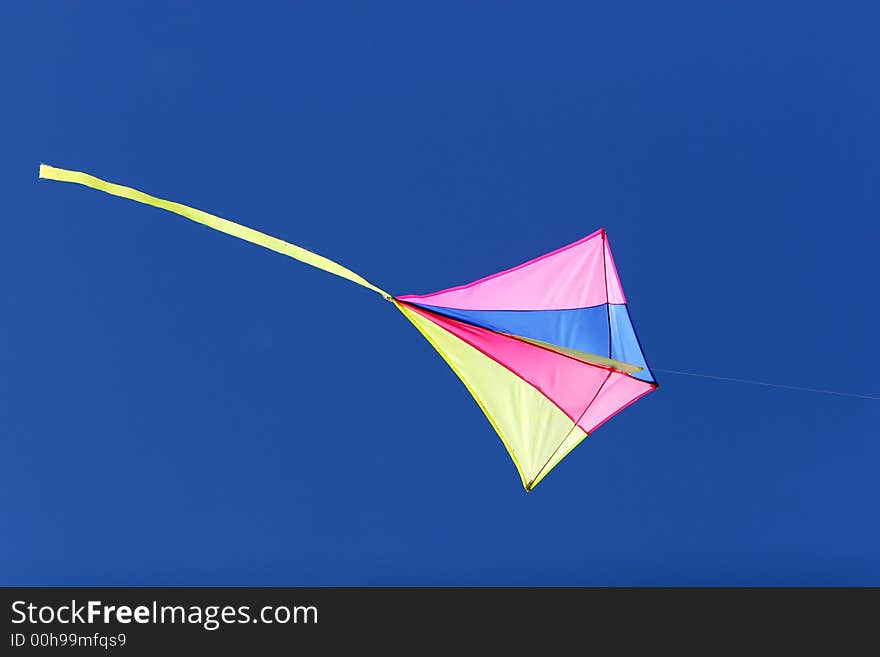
[[180, 408]]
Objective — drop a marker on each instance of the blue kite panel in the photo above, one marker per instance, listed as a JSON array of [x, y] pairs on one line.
[[585, 329], [625, 344]]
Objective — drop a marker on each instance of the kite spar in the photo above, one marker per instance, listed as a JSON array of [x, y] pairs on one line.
[[547, 348]]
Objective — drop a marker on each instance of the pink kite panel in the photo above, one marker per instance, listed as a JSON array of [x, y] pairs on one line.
[[571, 277], [618, 392], [568, 383], [615, 289]]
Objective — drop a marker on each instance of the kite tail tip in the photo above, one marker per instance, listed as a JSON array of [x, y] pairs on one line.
[[46, 171]]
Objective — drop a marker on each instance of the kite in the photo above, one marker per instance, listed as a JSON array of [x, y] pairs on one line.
[[546, 348]]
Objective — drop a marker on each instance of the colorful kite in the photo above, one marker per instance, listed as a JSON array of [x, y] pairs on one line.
[[547, 348]]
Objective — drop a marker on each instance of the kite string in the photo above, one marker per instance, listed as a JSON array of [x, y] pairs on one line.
[[769, 385]]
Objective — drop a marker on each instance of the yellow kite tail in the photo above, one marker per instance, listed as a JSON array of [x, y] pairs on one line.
[[212, 221]]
